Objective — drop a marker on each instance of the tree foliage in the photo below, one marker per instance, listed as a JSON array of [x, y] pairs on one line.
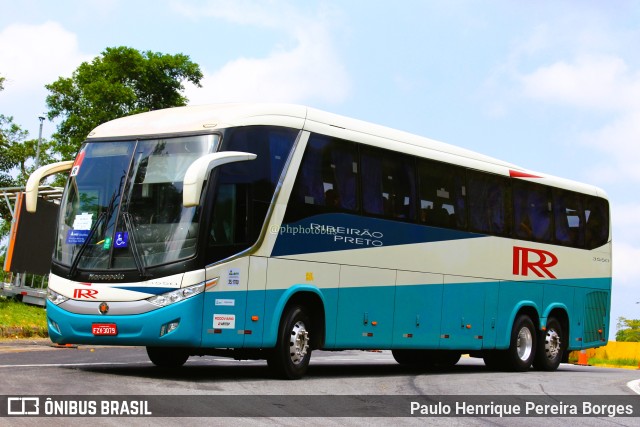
[[17, 161], [119, 82], [11, 136], [17, 153], [628, 330]]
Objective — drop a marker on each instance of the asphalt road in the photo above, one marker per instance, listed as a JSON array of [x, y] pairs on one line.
[[34, 368]]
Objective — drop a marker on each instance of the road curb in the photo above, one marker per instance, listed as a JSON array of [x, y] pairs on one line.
[[23, 332]]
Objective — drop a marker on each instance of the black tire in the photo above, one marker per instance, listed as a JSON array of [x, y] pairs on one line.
[[522, 348], [167, 357], [290, 358], [494, 360], [445, 358], [551, 346], [408, 357]]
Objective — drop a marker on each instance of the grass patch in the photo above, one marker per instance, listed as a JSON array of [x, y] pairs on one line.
[[18, 320], [596, 361]]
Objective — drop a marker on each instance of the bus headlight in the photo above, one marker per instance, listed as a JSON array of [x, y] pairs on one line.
[[55, 297], [176, 296]]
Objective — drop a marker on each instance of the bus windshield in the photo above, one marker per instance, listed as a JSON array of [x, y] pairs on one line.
[[123, 204]]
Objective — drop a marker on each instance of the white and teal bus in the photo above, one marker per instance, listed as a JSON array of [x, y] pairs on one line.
[[267, 231]]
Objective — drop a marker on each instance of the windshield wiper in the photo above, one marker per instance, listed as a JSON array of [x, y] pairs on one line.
[[135, 249], [76, 260], [104, 216]]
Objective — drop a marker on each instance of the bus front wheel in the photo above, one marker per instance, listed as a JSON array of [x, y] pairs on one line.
[[167, 357], [290, 358]]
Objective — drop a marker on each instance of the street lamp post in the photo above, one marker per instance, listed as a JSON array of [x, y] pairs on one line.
[[41, 118]]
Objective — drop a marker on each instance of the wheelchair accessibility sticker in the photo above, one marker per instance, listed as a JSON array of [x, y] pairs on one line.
[[121, 240]]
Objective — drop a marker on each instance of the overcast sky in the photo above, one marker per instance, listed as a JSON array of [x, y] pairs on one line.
[[553, 86]]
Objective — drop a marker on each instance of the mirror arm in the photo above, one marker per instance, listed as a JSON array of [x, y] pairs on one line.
[[34, 181], [198, 171]]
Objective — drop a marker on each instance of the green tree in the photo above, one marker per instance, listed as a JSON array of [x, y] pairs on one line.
[[11, 135], [119, 82], [628, 330], [18, 154], [17, 161]]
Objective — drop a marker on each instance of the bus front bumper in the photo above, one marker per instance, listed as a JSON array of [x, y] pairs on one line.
[[178, 324]]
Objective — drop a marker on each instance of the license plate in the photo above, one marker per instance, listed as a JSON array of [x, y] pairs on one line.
[[104, 329]]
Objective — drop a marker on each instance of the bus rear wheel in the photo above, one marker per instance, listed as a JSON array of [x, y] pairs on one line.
[[290, 358], [167, 357], [551, 345]]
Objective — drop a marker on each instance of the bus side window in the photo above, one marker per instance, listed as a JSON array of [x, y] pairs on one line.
[[442, 195], [243, 190], [569, 218], [327, 179], [388, 184], [489, 203], [597, 226], [532, 212]]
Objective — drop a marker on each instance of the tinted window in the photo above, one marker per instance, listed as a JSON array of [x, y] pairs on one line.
[[581, 221], [243, 190], [327, 179], [532, 212], [388, 184], [488, 198], [597, 222], [442, 195], [569, 216]]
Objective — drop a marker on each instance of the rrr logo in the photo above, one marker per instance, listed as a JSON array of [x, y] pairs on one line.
[[85, 293], [535, 260]]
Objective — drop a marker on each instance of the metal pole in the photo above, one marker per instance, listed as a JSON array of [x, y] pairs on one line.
[[41, 118]]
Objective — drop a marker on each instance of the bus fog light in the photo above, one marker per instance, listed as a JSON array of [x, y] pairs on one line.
[[169, 327], [54, 326]]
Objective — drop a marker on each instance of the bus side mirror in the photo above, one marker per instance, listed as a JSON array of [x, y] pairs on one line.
[[197, 173], [34, 181]]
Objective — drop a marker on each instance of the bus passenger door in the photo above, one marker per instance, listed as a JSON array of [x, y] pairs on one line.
[[418, 310], [225, 305], [463, 311], [365, 307]]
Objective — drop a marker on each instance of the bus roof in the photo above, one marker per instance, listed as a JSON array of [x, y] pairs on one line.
[[206, 118]]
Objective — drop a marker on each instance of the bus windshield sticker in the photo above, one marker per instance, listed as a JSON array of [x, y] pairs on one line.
[[82, 221], [121, 239], [76, 237], [75, 169]]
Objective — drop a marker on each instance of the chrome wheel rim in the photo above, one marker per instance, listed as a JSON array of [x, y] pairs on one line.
[[552, 344], [524, 344], [299, 342]]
